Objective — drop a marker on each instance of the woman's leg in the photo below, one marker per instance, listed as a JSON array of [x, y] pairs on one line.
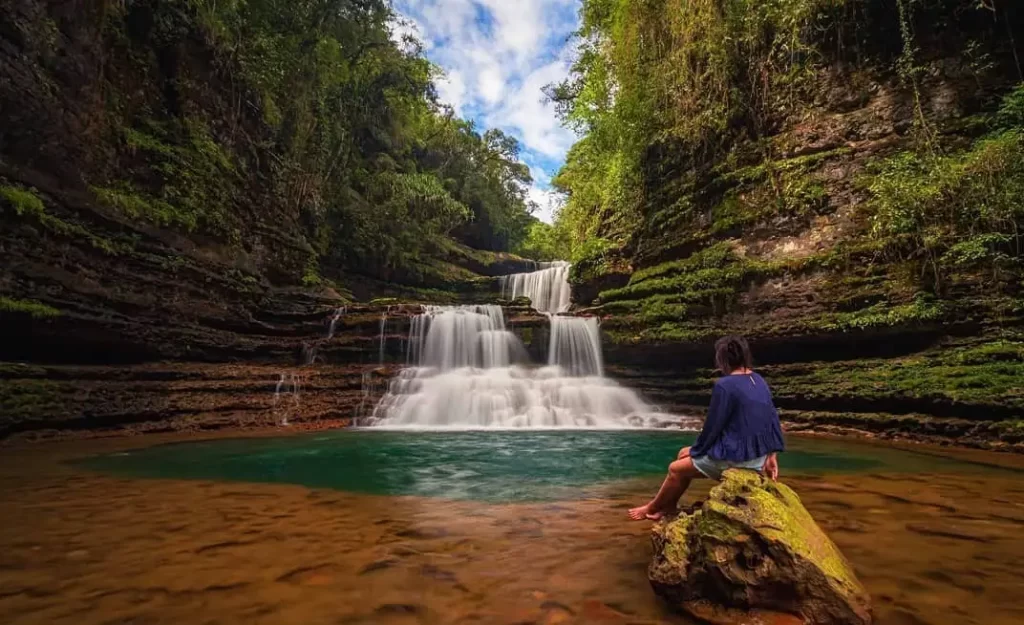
[[680, 474]]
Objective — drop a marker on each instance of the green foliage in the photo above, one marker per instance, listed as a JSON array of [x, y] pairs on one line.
[[193, 179], [380, 172], [131, 203], [1011, 113], [543, 242], [27, 204], [712, 277], [985, 372], [311, 275], [922, 309], [352, 145], [676, 72], [32, 308], [713, 257], [591, 258], [961, 209], [24, 201]]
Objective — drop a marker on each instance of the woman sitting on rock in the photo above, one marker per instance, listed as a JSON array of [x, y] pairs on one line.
[[741, 431]]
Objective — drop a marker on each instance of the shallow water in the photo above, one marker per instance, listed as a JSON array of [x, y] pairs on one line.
[[935, 540], [495, 466]]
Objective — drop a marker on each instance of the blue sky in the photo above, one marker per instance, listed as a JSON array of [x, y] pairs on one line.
[[497, 55]]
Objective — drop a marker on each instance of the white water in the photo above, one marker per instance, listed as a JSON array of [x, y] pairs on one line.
[[383, 330], [575, 346], [547, 288], [334, 321], [470, 373], [291, 387]]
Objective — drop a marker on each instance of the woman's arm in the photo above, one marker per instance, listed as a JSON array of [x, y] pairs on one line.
[[718, 416]]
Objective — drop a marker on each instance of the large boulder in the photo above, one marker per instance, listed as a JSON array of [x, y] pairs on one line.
[[752, 553]]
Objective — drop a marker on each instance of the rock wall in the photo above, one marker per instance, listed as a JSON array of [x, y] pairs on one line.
[[109, 319], [779, 239]]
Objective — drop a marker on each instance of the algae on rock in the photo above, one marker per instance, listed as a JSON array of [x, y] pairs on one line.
[[753, 547]]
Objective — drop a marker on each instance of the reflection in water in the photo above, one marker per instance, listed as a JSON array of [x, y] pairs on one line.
[[82, 548]]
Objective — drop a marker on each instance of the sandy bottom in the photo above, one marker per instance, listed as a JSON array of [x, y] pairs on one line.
[[83, 548]]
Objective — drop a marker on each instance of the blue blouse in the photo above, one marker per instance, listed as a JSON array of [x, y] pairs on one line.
[[742, 422]]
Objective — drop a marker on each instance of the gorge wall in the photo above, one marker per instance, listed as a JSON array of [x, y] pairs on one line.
[[184, 206], [855, 209]]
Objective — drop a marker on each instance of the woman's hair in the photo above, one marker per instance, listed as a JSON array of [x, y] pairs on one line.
[[732, 353]]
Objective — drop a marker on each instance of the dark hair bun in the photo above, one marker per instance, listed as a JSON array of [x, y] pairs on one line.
[[732, 353]]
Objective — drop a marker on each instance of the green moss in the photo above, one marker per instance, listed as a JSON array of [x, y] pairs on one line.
[[668, 332], [24, 201], [677, 536], [682, 277], [27, 204], [139, 140], [713, 257], [22, 399], [986, 372], [961, 209], [921, 310], [190, 179], [594, 258], [34, 309], [311, 275], [775, 512], [131, 203], [767, 168]]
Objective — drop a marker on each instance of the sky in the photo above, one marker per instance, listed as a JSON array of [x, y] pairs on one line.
[[497, 56]]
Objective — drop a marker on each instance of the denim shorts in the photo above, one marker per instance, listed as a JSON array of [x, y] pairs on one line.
[[713, 468]]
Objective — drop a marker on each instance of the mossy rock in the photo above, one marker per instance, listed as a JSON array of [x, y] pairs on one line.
[[752, 548]]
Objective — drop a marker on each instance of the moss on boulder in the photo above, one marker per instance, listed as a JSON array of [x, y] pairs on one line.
[[752, 547]]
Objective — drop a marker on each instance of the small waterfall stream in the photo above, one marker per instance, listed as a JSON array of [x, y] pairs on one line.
[[575, 346], [547, 288]]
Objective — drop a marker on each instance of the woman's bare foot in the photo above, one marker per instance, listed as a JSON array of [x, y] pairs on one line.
[[641, 513], [645, 512]]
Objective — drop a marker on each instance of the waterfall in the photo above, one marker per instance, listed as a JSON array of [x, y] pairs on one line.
[[469, 371], [309, 351], [291, 386], [547, 288], [334, 321], [575, 345], [383, 334]]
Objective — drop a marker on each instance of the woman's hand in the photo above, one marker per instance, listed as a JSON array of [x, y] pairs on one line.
[[771, 467], [683, 453]]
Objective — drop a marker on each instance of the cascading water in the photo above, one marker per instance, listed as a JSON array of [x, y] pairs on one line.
[[470, 373], [547, 288], [334, 321], [383, 335], [289, 385], [575, 346]]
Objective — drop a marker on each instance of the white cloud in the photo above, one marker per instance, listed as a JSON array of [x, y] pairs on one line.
[[498, 55], [518, 25], [547, 201], [491, 84], [531, 118], [452, 90]]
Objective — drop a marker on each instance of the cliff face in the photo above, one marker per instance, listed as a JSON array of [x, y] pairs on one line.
[[152, 225], [864, 233]]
